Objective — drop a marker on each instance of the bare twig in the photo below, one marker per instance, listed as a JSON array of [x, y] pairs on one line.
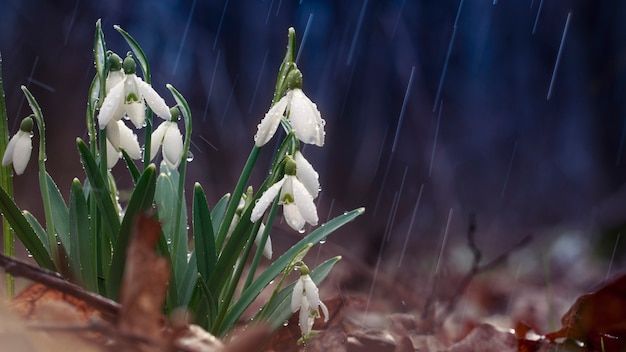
[[476, 267], [108, 308]]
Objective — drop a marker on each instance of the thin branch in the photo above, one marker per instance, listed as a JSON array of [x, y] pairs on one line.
[[108, 308]]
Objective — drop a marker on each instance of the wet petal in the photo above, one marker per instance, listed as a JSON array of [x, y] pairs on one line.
[[306, 119], [293, 217], [21, 151], [267, 249], [112, 155], [172, 145], [157, 139], [154, 100], [307, 175], [296, 296], [8, 153], [266, 199], [128, 141], [136, 112], [113, 134], [268, 126], [304, 202], [110, 109], [311, 291], [113, 78]]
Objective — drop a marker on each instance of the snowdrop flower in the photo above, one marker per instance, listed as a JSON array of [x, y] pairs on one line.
[[123, 138], [303, 114], [168, 135], [295, 195], [128, 97], [19, 147], [305, 297]]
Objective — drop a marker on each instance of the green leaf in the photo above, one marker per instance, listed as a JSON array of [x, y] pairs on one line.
[[100, 51], [279, 308], [167, 198], [188, 281], [140, 201], [83, 246], [250, 294], [218, 211], [25, 232], [139, 54], [39, 230], [132, 168], [98, 189], [203, 235], [60, 214]]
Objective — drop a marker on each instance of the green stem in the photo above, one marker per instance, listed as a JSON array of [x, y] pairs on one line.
[[43, 182], [259, 250], [234, 199], [6, 182]]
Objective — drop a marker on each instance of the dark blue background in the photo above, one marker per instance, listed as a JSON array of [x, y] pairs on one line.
[[563, 156]]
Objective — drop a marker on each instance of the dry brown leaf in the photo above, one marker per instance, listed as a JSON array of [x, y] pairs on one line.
[[486, 338]]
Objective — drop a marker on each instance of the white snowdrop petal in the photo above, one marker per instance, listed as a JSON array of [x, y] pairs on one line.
[[8, 153], [154, 100], [303, 320], [293, 217], [128, 141], [296, 296], [113, 78], [325, 310], [156, 139], [136, 112], [21, 151], [112, 155], [304, 202], [266, 199], [312, 292], [268, 126], [307, 175], [305, 119], [113, 134], [111, 104], [173, 145], [267, 249]]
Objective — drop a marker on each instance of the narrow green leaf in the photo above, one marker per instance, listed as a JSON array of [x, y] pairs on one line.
[[167, 199], [25, 232], [279, 309], [60, 214], [100, 51], [140, 201], [218, 211], [250, 294], [98, 189], [6, 182], [39, 230], [203, 235], [139, 54], [132, 168], [188, 281], [83, 258]]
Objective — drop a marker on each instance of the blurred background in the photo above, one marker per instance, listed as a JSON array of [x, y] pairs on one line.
[[434, 109]]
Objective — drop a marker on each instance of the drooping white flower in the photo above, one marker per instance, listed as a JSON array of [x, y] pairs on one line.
[[19, 148], [303, 114], [305, 297], [295, 197], [168, 137], [125, 139], [128, 97]]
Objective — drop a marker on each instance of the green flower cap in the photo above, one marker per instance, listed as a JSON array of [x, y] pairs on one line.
[[130, 66], [290, 166], [294, 78], [27, 124], [115, 62]]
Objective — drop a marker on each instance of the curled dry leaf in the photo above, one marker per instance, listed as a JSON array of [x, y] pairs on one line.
[[597, 319]]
